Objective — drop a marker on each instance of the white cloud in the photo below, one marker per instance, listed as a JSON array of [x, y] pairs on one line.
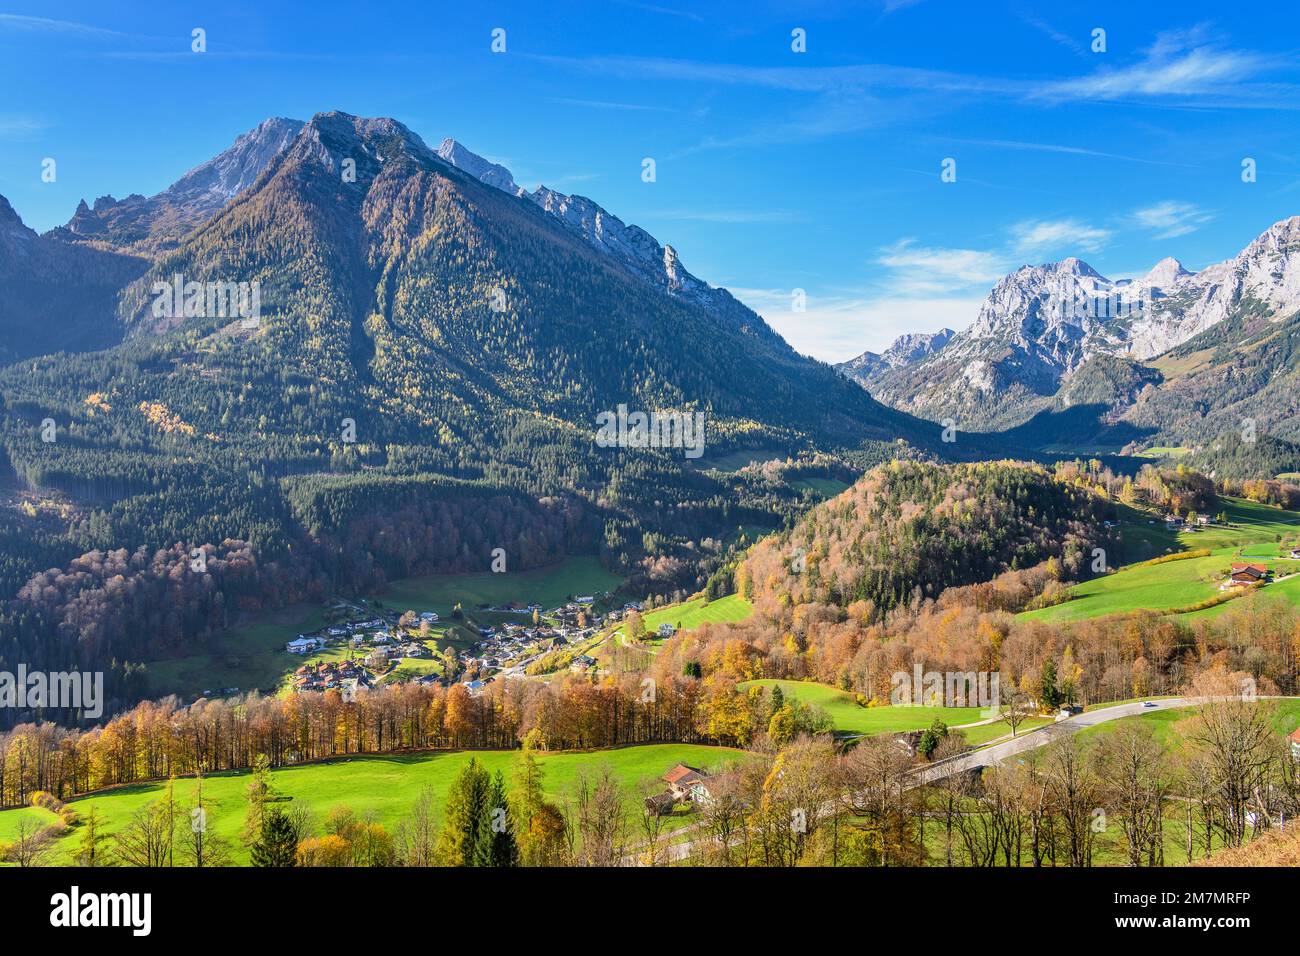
[[925, 270], [1037, 237], [1180, 63], [836, 327], [1171, 218]]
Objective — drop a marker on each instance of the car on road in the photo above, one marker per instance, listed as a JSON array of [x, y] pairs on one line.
[[1148, 703]]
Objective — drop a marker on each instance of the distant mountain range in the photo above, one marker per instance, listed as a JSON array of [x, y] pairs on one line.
[[1062, 354]]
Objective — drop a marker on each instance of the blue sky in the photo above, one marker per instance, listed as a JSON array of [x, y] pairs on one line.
[[776, 170]]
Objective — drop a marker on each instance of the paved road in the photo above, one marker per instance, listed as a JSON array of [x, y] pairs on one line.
[[1033, 739], [997, 753]]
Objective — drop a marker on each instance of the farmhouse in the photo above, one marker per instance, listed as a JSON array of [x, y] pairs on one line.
[[1247, 575], [430, 616], [681, 779], [1295, 743], [302, 645], [667, 630]]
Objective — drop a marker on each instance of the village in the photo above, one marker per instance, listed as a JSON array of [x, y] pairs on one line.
[[369, 646]]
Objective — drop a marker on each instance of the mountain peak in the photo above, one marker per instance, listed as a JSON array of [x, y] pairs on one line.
[[161, 220], [11, 224], [1076, 266], [452, 152], [1165, 272]]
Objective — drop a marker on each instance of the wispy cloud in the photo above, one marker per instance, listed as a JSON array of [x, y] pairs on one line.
[[665, 11], [926, 270], [1064, 39], [727, 215], [914, 270], [13, 21], [1181, 64], [1042, 236], [1067, 150], [1185, 66], [21, 127], [1171, 218], [606, 105]]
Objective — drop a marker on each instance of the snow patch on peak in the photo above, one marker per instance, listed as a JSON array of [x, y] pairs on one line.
[[1165, 273]]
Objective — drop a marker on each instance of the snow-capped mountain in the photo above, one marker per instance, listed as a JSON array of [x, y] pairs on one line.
[[1041, 323]]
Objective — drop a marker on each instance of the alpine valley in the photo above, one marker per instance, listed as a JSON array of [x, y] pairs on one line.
[[433, 348]]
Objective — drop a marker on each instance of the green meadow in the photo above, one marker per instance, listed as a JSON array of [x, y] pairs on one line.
[[1252, 533], [851, 717], [821, 487], [691, 614], [384, 787], [1165, 723]]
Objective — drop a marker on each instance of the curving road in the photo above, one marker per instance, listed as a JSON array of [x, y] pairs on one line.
[[1040, 737]]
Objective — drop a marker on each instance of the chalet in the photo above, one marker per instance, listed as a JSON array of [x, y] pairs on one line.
[[581, 664], [1203, 520], [475, 687], [1174, 521], [667, 630], [429, 616], [585, 599], [302, 645], [1247, 575], [1295, 743], [681, 779]]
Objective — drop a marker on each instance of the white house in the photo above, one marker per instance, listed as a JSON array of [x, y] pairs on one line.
[[301, 645], [667, 630], [430, 616]]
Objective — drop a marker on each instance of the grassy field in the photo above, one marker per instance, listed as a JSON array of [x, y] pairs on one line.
[[1252, 533], [1165, 722], [850, 717], [691, 614], [822, 487], [252, 657], [385, 787]]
